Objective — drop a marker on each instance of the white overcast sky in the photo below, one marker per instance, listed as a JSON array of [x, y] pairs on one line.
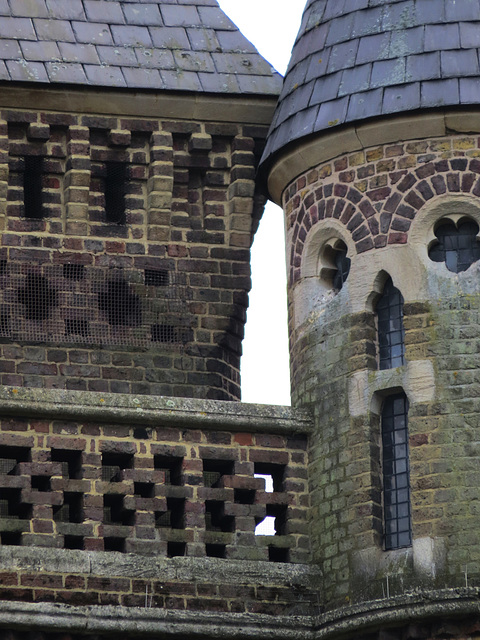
[[272, 26]]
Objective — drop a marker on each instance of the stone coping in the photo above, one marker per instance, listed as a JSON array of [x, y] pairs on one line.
[[342, 623], [156, 411], [184, 569], [239, 109]]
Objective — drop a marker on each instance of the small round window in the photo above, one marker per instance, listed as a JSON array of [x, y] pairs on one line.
[[335, 264], [456, 245]]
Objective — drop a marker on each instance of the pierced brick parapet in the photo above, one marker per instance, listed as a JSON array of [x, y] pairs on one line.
[[166, 491], [375, 194]]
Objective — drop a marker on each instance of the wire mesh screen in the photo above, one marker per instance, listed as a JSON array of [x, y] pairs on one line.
[[85, 304]]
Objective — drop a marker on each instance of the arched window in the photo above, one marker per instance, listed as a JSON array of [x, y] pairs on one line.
[[397, 520], [391, 334], [458, 246]]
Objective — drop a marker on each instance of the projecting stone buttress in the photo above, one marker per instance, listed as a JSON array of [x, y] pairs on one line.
[[374, 155]]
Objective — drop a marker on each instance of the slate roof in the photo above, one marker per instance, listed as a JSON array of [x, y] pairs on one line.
[[356, 59], [187, 45]]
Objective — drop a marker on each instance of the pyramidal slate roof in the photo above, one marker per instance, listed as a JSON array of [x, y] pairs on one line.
[[186, 45], [356, 59]]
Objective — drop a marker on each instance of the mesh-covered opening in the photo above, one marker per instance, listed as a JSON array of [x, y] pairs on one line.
[[114, 511], [71, 510], [164, 333], [10, 457], [215, 518], [144, 489], [11, 505], [115, 181], [172, 468], [113, 464], [156, 277], [458, 247], [396, 473], [214, 470], [391, 334], [71, 462], [71, 303], [32, 186], [37, 297], [174, 516], [74, 271], [120, 305]]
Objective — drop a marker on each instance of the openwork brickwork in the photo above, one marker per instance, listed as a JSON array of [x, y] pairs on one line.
[[163, 491]]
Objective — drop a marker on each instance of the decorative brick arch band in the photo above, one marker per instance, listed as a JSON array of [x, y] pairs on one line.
[[377, 201]]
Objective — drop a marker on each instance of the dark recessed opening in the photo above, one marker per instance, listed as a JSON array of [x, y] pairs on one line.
[[32, 186], [71, 510], [38, 297], [77, 327], [215, 518], [10, 457], [144, 489], [164, 333], [13, 538], [74, 271], [115, 181], [3, 267], [11, 505], [113, 464], [114, 511], [140, 433], [71, 462], [213, 470], [276, 471], [120, 306], [176, 507], [156, 277], [172, 467], [176, 549], [244, 496], [41, 483], [73, 542], [277, 554], [215, 550], [114, 544], [279, 512]]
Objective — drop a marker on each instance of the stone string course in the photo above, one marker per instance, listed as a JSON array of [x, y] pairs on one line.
[[376, 193], [189, 212]]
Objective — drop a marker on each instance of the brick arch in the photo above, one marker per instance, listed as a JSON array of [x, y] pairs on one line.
[[457, 176], [340, 202]]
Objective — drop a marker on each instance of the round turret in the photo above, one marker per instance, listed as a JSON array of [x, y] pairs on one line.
[[374, 153]]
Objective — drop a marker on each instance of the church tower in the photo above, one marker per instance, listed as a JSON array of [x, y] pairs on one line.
[[374, 155]]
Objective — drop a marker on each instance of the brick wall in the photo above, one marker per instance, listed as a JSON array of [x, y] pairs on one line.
[[152, 302]]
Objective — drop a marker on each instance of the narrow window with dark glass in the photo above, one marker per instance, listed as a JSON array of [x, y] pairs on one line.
[[115, 181], [396, 476], [342, 263], [391, 334], [32, 186]]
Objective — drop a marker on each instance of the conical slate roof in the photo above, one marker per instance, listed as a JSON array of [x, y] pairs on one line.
[[357, 59], [154, 44]]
